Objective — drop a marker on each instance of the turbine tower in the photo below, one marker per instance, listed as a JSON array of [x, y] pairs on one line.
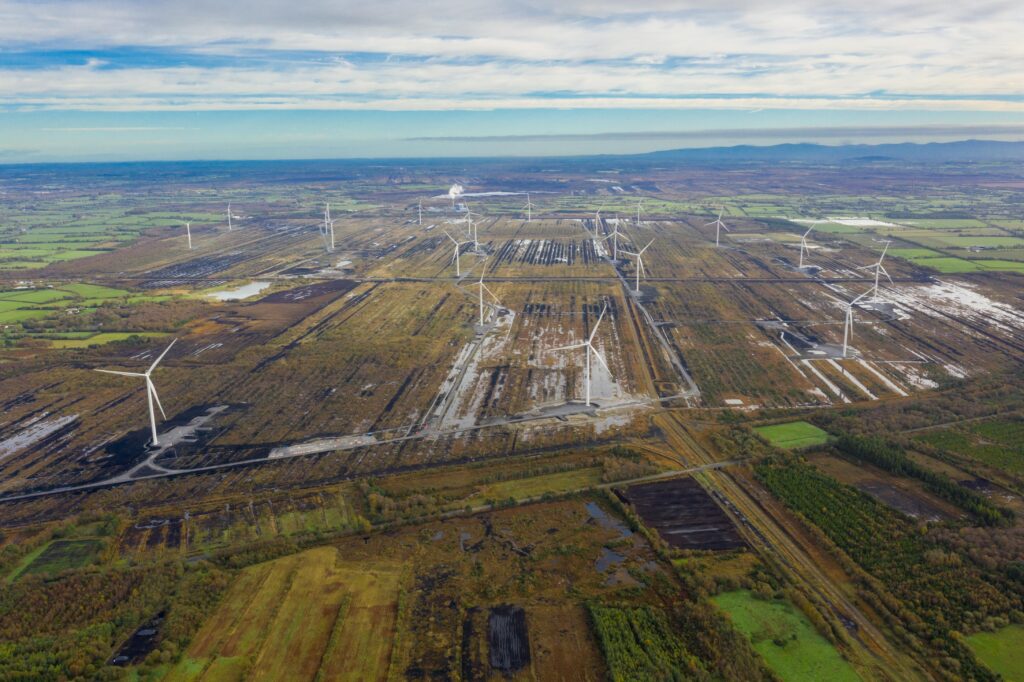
[[529, 209], [150, 389], [848, 324], [638, 212], [639, 263], [419, 220], [614, 236], [804, 250], [328, 229], [589, 345], [455, 256], [879, 270], [483, 288], [471, 232], [719, 225], [229, 216], [188, 231]]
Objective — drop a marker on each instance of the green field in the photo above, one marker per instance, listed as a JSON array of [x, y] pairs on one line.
[[60, 555], [99, 339], [1001, 651], [793, 435], [999, 442], [785, 639]]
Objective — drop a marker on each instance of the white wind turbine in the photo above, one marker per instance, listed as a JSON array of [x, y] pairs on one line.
[[188, 231], [328, 229], [229, 216], [614, 236], [879, 270], [529, 208], [471, 232], [848, 324], [483, 288], [150, 389], [638, 212], [719, 225], [639, 263], [805, 252], [455, 256], [589, 345], [419, 220]]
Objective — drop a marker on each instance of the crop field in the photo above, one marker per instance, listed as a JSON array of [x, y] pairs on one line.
[[61, 555], [785, 638], [1001, 650], [361, 610], [294, 617], [998, 442], [793, 435]]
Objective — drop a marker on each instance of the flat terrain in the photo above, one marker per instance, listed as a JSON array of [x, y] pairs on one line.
[[792, 435], [377, 462], [785, 638]]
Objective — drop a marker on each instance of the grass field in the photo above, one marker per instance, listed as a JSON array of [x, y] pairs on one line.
[[999, 442], [785, 639], [296, 618], [99, 339], [793, 435], [1001, 651], [59, 555]]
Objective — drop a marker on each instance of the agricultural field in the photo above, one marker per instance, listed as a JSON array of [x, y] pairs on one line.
[[793, 435], [1001, 650], [998, 442], [785, 639]]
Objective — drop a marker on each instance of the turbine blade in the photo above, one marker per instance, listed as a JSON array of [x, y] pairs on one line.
[[156, 398], [572, 347], [597, 324], [123, 374], [598, 356], [157, 361], [645, 248], [884, 272]]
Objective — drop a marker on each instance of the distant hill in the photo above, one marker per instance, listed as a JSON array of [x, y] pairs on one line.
[[942, 152]]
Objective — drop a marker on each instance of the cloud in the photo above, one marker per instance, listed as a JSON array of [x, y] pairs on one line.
[[818, 132], [400, 54]]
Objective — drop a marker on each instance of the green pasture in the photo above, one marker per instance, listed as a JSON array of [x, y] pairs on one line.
[[785, 639], [793, 435], [1002, 651]]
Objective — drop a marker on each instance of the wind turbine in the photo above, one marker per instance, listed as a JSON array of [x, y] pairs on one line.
[[419, 220], [229, 216], [529, 209], [879, 269], [638, 212], [455, 256], [471, 232], [848, 325], [188, 231], [717, 222], [614, 236], [804, 250], [639, 263], [328, 229], [150, 389], [483, 288], [589, 345]]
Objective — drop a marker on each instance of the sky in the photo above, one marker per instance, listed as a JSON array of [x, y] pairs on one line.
[[115, 80]]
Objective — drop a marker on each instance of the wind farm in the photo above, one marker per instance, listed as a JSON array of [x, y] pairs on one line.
[[471, 358]]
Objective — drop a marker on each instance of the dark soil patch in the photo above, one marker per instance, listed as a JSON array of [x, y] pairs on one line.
[[684, 515], [508, 638]]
